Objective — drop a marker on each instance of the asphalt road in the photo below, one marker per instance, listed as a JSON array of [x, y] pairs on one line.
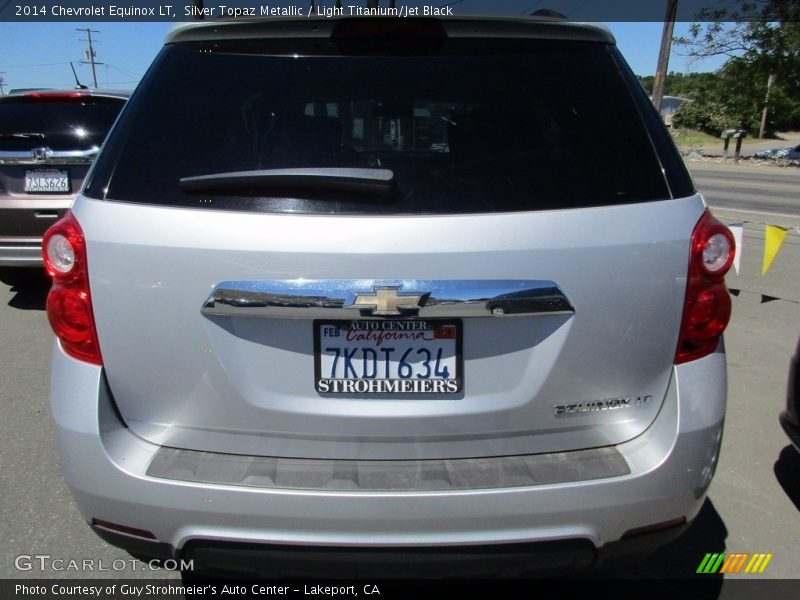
[[747, 188], [754, 500]]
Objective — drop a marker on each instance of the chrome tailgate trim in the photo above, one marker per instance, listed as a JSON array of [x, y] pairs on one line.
[[346, 299]]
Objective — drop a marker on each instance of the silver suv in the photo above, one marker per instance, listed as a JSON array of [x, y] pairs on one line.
[[357, 291]]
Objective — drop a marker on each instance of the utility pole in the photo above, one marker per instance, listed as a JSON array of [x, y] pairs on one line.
[[762, 130], [2, 81], [90, 53], [663, 55]]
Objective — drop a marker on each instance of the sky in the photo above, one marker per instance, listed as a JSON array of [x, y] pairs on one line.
[[38, 54]]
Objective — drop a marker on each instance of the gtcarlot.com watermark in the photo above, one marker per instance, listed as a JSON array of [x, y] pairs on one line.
[[46, 562]]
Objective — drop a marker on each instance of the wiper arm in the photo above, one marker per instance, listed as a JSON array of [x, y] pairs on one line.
[[22, 136], [374, 182]]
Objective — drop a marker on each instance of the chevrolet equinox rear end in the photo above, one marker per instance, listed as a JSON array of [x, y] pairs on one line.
[[379, 292]]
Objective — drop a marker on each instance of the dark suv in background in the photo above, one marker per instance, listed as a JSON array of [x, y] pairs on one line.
[[48, 140], [790, 418]]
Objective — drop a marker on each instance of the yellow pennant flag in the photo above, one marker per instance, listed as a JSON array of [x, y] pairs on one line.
[[773, 238]]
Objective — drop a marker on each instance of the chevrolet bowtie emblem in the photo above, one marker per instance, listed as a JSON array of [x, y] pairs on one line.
[[387, 302]]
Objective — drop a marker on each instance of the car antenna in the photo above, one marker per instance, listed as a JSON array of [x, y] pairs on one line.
[[78, 84]]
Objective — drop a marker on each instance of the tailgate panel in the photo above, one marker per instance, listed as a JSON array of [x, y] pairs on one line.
[[532, 383]]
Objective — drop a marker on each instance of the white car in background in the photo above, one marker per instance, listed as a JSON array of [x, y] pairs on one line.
[[792, 153]]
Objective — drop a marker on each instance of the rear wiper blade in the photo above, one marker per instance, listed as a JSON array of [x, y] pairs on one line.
[[22, 136], [374, 182]]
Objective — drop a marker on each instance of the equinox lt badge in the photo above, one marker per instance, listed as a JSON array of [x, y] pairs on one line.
[[583, 408]]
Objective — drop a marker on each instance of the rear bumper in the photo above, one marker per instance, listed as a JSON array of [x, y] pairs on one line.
[[105, 465], [224, 559], [23, 221], [26, 253]]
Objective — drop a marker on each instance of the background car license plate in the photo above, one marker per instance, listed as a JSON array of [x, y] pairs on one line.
[[47, 180], [388, 357]]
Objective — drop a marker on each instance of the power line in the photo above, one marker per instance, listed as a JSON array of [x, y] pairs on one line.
[[39, 83], [125, 71], [34, 65]]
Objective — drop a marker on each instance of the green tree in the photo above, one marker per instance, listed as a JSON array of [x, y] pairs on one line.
[[762, 74]]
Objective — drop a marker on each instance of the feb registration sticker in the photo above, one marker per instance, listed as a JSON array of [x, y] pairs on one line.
[[392, 357]]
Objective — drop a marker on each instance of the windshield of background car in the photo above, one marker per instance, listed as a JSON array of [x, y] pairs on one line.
[[59, 124], [472, 126]]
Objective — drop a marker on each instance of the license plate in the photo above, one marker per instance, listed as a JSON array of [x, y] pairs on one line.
[[388, 357], [47, 180]]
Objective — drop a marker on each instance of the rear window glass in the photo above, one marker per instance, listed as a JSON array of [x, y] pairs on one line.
[[27, 123], [475, 126]]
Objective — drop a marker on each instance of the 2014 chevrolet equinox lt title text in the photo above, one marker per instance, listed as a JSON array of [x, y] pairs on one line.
[[352, 290]]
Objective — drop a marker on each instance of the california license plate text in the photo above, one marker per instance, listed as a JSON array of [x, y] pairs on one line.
[[387, 357]]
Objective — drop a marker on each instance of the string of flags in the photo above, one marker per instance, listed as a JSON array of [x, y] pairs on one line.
[[764, 297], [774, 236]]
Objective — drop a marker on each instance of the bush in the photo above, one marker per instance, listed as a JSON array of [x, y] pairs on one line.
[[708, 117]]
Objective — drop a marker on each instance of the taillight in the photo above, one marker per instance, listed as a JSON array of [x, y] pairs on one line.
[[707, 307], [69, 303]]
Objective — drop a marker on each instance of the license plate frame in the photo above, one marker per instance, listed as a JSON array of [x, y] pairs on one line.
[[453, 386], [37, 176]]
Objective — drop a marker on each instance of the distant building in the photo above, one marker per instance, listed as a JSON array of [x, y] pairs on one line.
[[669, 104]]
